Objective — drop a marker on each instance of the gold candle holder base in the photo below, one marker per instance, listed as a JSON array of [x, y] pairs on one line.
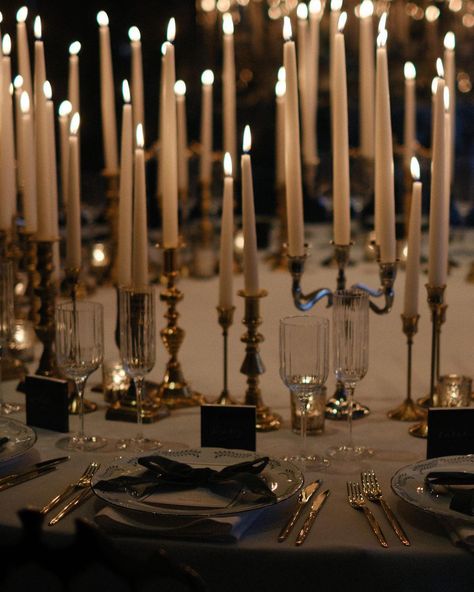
[[252, 366], [225, 318], [174, 391]]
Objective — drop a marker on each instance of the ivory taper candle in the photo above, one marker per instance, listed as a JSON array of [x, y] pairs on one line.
[[183, 173], [53, 173], [412, 268], [18, 86], [229, 109], [73, 212], [73, 80], [65, 109], [366, 79], [409, 128], [226, 260], [140, 228], [450, 68], [205, 170], [316, 11], [248, 216], [24, 66], [137, 77], [29, 167], [125, 192], [280, 89]]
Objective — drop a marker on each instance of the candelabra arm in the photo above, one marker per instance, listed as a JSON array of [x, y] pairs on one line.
[[388, 273], [304, 301]]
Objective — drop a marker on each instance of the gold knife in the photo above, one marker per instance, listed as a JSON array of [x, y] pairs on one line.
[[33, 469], [308, 523], [26, 477], [72, 505], [304, 497]]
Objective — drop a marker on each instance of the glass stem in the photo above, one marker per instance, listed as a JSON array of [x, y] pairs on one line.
[[139, 382], [80, 385], [1, 383], [350, 386], [303, 424]]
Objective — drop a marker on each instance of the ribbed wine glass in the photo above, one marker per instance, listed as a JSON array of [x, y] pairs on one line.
[[7, 324], [350, 330], [304, 367]]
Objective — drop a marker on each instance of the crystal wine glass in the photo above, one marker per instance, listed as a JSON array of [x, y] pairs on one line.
[[351, 354], [80, 351], [137, 350], [304, 366]]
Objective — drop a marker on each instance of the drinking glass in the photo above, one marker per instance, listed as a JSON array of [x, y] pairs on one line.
[[137, 349], [80, 351], [350, 330], [304, 366]]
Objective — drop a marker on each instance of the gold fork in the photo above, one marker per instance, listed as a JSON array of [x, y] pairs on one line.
[[373, 492], [357, 501], [83, 481]]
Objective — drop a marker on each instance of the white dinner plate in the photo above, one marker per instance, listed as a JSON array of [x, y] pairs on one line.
[[282, 477], [21, 438], [409, 484]]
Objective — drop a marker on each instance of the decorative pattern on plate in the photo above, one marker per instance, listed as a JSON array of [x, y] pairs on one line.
[[282, 477], [409, 484], [20, 438]]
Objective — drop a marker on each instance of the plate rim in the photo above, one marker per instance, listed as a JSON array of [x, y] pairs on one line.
[[31, 442]]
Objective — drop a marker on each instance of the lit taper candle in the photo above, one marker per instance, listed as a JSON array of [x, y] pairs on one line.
[[409, 128], [73, 81], [280, 89], [65, 110], [248, 216], [205, 171], [183, 173], [137, 77], [412, 270], [140, 228], [450, 67], [73, 212], [125, 192], [29, 169], [24, 67], [226, 260], [229, 109], [366, 79]]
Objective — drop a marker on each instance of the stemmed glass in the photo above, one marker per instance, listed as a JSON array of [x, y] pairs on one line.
[[304, 366], [79, 352], [351, 354], [137, 349]]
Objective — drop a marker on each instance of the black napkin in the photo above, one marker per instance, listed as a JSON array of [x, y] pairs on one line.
[[164, 474], [3, 441], [463, 502]]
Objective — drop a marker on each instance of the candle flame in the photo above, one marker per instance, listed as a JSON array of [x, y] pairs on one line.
[[75, 122], [281, 73], [432, 13], [6, 44], [140, 136], [449, 41], [25, 102], [171, 30], [102, 18], [336, 5], [440, 67], [415, 168], [207, 77], [382, 38], [227, 24], [22, 14], [180, 88], [227, 165], [280, 88], [75, 48], [65, 108], [446, 98], [341, 22], [302, 11], [383, 23], [37, 28], [315, 7], [163, 47], [126, 91], [11, 89], [1, 17], [18, 81], [247, 140], [287, 33], [134, 34], [409, 71], [434, 85], [366, 9], [47, 90]]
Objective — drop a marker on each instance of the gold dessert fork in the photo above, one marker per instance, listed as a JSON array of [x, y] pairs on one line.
[[83, 481], [357, 501]]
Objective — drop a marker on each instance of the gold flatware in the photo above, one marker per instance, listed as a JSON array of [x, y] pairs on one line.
[[33, 469], [357, 501], [26, 477], [83, 481], [76, 501], [308, 523], [373, 492], [304, 497]]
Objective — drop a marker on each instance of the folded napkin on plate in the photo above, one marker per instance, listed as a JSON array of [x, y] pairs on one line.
[[463, 502], [163, 473], [228, 529]]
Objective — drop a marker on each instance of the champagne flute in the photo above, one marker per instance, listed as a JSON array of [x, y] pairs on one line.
[[351, 352], [304, 366], [80, 351], [137, 349]]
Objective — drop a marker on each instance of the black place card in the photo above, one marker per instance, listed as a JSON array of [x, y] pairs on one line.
[[228, 426], [450, 431], [47, 403]]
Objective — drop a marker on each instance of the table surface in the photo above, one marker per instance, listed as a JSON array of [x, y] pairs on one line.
[[340, 549]]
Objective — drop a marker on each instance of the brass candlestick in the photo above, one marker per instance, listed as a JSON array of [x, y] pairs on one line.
[[408, 410], [174, 390], [252, 365], [29, 264], [225, 317], [438, 310]]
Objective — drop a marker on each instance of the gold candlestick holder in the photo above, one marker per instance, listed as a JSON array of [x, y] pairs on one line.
[[174, 391], [225, 317], [252, 365], [438, 311], [408, 410], [28, 247]]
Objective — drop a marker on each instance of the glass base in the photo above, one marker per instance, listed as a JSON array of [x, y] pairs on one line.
[[139, 444], [309, 462], [349, 453], [7, 408], [82, 443]]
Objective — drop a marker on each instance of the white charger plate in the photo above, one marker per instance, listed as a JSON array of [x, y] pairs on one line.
[[21, 438], [409, 484], [282, 477]]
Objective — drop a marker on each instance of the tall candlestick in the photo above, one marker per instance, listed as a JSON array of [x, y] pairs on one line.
[[53, 174], [140, 228], [384, 173], [302, 47], [40, 67], [226, 261], [183, 173], [450, 67], [161, 127], [73, 81], [447, 152], [409, 129], [341, 183], [366, 79], [316, 11], [125, 192], [229, 109], [7, 142], [205, 174], [73, 214], [109, 126], [65, 109], [280, 90], [248, 215], [24, 67], [18, 86], [137, 77], [412, 270], [335, 13], [28, 159], [294, 192], [438, 235]]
